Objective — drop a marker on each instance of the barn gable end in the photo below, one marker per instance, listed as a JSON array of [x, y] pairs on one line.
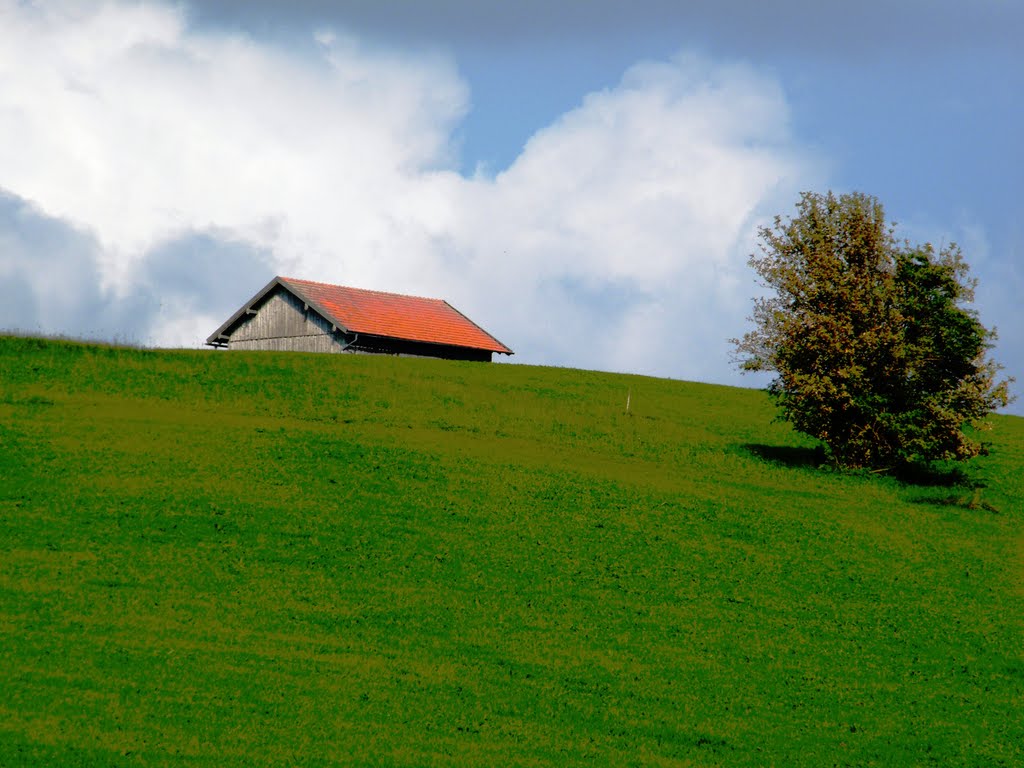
[[281, 323]]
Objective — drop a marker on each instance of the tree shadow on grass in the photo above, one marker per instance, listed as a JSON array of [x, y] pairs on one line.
[[962, 490], [921, 475], [970, 501], [933, 476], [786, 455]]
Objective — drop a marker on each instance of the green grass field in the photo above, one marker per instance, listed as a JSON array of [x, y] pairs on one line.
[[248, 559]]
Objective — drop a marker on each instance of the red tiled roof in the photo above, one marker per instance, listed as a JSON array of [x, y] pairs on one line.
[[393, 315]]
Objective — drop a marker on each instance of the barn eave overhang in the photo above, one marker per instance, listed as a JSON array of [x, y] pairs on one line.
[[369, 340]]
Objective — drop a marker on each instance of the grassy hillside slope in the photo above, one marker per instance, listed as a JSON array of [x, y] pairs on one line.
[[233, 559]]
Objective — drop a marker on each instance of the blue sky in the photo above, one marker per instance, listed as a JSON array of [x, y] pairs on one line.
[[585, 179]]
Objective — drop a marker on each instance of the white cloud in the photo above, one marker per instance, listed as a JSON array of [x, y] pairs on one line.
[[125, 122], [650, 191], [617, 239]]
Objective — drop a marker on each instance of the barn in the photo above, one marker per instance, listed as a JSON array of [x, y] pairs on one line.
[[305, 316]]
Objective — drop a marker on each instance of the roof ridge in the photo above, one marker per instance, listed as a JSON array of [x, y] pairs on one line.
[[362, 290]]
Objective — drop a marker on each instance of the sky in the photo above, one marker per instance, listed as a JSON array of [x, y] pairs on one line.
[[585, 179]]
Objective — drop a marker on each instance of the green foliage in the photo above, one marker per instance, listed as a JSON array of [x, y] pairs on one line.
[[875, 352], [260, 559]]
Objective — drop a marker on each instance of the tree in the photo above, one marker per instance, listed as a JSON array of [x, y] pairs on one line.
[[875, 352]]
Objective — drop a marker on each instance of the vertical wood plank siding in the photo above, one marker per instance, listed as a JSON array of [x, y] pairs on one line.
[[281, 324]]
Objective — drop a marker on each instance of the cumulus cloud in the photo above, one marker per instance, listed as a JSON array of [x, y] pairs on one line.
[[122, 120], [629, 220], [50, 280], [194, 165]]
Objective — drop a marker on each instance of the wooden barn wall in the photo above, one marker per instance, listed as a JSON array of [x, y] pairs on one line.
[[281, 325], [290, 344]]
